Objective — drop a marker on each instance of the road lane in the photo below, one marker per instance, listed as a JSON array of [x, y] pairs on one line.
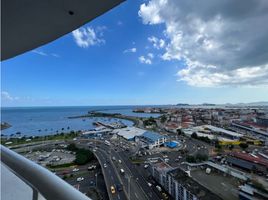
[[110, 177]]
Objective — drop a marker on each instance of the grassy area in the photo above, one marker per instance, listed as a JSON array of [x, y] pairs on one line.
[[136, 161], [62, 166], [27, 140]]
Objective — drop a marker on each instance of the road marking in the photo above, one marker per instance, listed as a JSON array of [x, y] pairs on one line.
[[136, 195], [118, 196]]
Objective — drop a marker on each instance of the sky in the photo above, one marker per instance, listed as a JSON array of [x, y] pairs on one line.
[[149, 52]]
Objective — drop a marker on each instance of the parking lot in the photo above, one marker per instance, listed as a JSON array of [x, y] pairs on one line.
[[54, 157]]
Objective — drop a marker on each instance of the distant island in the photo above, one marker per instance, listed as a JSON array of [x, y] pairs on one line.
[[182, 104], [4, 125], [250, 104]]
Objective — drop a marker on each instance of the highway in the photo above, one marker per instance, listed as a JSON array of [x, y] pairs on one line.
[[139, 188], [129, 177], [135, 187], [143, 184], [110, 176], [128, 180]]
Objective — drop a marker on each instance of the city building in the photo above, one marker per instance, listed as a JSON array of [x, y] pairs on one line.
[[249, 162], [152, 139], [148, 138], [159, 172], [129, 133], [181, 186], [251, 129], [97, 132], [262, 121], [213, 132], [200, 182]]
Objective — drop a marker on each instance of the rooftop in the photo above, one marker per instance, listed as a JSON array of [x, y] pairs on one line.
[[251, 158], [193, 186], [129, 132], [171, 144], [162, 166], [217, 129], [223, 186], [152, 136]]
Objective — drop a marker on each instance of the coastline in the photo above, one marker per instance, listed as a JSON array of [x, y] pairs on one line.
[[5, 125], [135, 120]]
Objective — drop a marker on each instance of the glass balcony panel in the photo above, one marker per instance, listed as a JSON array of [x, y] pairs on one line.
[[12, 187]]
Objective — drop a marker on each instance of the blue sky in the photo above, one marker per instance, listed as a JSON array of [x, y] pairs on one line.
[[120, 61]]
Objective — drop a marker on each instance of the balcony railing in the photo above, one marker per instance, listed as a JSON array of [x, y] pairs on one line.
[[41, 183]]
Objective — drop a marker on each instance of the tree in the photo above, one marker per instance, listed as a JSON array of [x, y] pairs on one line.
[[243, 145], [72, 147], [163, 119], [83, 156], [194, 135], [217, 144], [190, 159], [201, 157], [149, 122], [179, 131]]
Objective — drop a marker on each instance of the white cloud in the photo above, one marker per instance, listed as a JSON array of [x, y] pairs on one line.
[[145, 60], [220, 42], [157, 43], [151, 12], [150, 55], [7, 97], [132, 50], [86, 37], [41, 53], [248, 76]]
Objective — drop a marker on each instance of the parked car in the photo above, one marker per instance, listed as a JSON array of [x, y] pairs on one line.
[[80, 179], [158, 188], [75, 170], [92, 167]]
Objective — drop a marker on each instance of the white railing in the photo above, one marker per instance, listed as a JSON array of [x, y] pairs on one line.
[[43, 184]]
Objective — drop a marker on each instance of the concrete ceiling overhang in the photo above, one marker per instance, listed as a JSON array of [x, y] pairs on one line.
[[28, 24]]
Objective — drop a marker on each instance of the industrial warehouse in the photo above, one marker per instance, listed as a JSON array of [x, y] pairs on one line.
[[150, 139]]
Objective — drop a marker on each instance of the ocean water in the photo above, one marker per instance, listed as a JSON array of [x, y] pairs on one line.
[[50, 120]]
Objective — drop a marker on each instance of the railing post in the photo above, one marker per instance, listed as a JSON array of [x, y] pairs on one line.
[[35, 194]]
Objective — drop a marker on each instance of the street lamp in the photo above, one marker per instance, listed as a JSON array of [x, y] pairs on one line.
[[129, 177], [96, 175]]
